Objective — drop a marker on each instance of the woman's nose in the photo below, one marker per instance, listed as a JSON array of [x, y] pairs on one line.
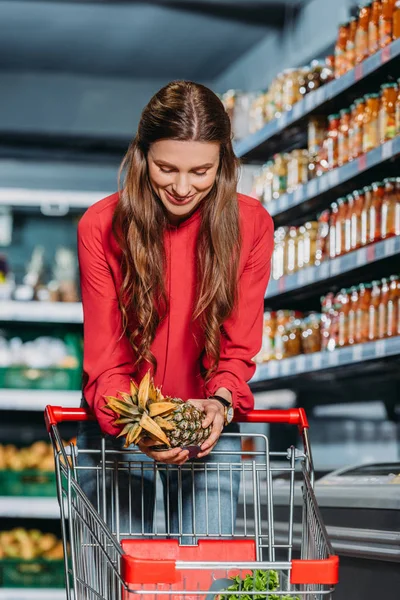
[[181, 186]]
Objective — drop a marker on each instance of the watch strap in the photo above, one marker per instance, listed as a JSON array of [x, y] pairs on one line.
[[223, 401]]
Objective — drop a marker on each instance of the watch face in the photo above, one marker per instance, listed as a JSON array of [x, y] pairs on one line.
[[229, 414]]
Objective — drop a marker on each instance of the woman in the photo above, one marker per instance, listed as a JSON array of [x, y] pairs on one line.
[[173, 275]]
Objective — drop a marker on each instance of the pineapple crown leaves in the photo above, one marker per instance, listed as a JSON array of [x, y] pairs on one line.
[[143, 412]]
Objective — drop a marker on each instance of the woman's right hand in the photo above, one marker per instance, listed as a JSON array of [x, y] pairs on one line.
[[175, 456]]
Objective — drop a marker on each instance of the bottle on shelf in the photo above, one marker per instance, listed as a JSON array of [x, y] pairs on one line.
[[340, 226], [332, 229], [353, 112], [373, 331], [352, 316], [393, 315], [362, 316], [343, 328], [310, 236], [383, 308], [390, 222], [340, 49], [291, 254], [385, 23], [334, 323], [356, 216], [365, 215], [358, 127], [361, 37], [350, 55], [332, 141], [373, 27], [397, 108], [396, 20], [387, 112], [322, 243], [326, 319], [375, 212], [371, 122], [343, 136], [346, 238]]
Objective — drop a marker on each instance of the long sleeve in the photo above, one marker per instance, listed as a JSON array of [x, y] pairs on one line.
[[242, 333], [108, 356]]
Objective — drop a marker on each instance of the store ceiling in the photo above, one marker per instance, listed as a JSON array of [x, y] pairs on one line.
[[156, 39]]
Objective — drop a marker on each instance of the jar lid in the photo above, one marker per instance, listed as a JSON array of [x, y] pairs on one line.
[[354, 288], [367, 188], [375, 282], [360, 192], [344, 111], [333, 117], [359, 100], [385, 86], [341, 200], [374, 95], [394, 277], [384, 280], [367, 285], [352, 106], [390, 180], [377, 184]]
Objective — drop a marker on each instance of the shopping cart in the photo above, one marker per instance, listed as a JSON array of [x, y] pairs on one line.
[[107, 558]]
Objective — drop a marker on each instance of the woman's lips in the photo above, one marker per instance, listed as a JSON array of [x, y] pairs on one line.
[[177, 202]]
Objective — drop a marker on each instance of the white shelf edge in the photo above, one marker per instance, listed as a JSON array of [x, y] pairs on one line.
[[45, 312], [29, 507], [49, 198], [32, 594], [37, 400]]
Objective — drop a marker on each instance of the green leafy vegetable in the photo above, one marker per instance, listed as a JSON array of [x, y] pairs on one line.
[[257, 581]]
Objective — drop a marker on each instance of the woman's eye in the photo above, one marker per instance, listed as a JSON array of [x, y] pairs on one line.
[[200, 174], [163, 170]]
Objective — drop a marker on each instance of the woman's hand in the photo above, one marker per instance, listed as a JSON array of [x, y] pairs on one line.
[[176, 456], [214, 416]]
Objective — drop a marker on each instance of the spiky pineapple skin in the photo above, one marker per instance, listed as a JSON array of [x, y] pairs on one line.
[[187, 420]]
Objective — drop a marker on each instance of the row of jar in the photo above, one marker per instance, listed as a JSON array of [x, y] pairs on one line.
[[363, 313], [250, 111], [363, 217], [376, 25]]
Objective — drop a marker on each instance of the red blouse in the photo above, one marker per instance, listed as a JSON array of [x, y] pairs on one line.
[[108, 356]]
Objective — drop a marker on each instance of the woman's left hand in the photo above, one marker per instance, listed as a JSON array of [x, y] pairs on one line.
[[214, 416]]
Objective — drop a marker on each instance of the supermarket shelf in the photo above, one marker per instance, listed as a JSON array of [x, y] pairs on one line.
[[37, 400], [315, 100], [334, 268], [44, 312], [32, 594], [309, 363], [36, 508], [334, 179], [51, 202]]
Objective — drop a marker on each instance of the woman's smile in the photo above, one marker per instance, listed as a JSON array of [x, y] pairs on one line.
[[179, 201]]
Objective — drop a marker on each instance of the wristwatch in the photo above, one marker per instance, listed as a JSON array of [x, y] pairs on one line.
[[228, 408]]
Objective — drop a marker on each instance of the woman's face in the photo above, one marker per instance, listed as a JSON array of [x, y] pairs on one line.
[[182, 174]]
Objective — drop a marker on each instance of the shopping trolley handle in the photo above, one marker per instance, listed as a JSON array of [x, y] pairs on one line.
[[53, 415], [292, 416]]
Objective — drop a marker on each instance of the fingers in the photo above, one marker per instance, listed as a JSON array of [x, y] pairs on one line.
[[218, 425], [175, 456]]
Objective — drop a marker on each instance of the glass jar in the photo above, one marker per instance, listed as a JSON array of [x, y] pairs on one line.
[[340, 226], [390, 223], [356, 212], [322, 243], [361, 38], [334, 324], [316, 131], [279, 182], [375, 212], [311, 333], [300, 247], [332, 141], [362, 317], [268, 182], [292, 338], [358, 127], [396, 21], [340, 49], [352, 316], [326, 319], [350, 55], [393, 306], [343, 136], [385, 23], [269, 331], [387, 112], [371, 122], [382, 308], [291, 253], [290, 88], [373, 27], [365, 215], [282, 318], [332, 229], [351, 131], [278, 256], [343, 333], [310, 242], [297, 169], [346, 238], [373, 311], [397, 109]]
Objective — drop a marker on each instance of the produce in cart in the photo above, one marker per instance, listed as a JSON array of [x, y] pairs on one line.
[[256, 581]]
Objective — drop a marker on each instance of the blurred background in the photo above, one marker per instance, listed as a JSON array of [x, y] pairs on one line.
[[312, 90]]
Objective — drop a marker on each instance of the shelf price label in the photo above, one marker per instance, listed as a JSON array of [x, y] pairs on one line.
[[298, 110], [380, 348], [385, 54], [390, 247], [300, 363], [323, 270], [316, 361], [333, 358], [298, 194], [358, 72], [323, 183], [283, 202], [335, 266], [285, 367], [387, 150], [357, 352], [362, 163], [312, 188], [334, 178], [273, 368], [361, 257]]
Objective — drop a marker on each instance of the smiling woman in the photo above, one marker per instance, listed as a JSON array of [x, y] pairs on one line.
[[173, 273]]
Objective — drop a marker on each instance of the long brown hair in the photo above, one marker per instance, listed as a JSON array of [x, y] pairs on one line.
[[183, 111]]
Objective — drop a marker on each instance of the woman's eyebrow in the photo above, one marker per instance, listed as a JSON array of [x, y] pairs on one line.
[[167, 164]]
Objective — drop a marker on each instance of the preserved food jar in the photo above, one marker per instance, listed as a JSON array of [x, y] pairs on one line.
[[332, 141], [282, 318], [398, 109], [316, 131], [268, 182], [352, 316], [279, 182], [326, 319], [332, 229], [371, 122], [358, 127], [385, 23], [350, 56], [322, 245], [396, 20], [291, 93], [373, 311], [343, 136], [292, 338], [393, 306], [357, 209], [362, 318], [346, 237], [311, 334], [297, 169], [334, 324], [387, 112], [341, 48], [291, 253], [278, 257], [365, 215], [268, 345], [343, 332], [310, 243], [300, 247], [361, 38], [340, 226], [375, 212], [390, 224], [382, 308], [351, 131], [373, 27]]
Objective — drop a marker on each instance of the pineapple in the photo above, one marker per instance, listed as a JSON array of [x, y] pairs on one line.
[[146, 413]]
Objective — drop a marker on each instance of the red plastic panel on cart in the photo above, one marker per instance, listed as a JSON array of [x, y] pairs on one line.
[[324, 571], [149, 565]]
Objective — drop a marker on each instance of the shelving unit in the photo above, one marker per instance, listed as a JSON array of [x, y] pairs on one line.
[[49, 201], [31, 594], [29, 507], [37, 400], [41, 312]]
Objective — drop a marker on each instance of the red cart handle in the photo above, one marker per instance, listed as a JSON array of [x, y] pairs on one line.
[[294, 416]]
